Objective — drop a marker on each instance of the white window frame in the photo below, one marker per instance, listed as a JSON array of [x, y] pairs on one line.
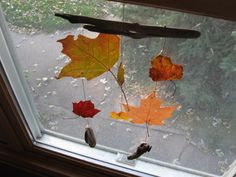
[[68, 146], [9, 62]]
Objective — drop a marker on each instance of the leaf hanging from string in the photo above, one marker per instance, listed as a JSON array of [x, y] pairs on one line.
[[163, 69], [149, 111], [90, 57], [85, 109]]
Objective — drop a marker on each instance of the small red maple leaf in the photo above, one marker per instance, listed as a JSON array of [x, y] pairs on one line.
[[85, 109]]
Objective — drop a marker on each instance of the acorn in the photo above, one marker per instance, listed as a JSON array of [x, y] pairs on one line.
[[89, 137], [141, 149]]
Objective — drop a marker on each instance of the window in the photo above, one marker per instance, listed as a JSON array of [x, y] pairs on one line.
[[198, 139]]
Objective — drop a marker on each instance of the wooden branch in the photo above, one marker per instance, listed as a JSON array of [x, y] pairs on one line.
[[133, 30]]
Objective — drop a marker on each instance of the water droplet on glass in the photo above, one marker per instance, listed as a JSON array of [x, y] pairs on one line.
[[103, 102], [227, 125], [18, 45], [51, 106], [189, 111], [54, 128], [112, 123], [44, 79], [32, 88], [176, 162], [216, 122], [104, 81], [128, 130], [219, 153], [39, 85], [141, 46], [73, 81], [54, 92], [167, 135], [57, 33], [107, 88]]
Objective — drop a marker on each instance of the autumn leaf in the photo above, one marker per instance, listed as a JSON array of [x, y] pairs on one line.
[[120, 74], [149, 111], [89, 57], [85, 109], [119, 116], [163, 69]]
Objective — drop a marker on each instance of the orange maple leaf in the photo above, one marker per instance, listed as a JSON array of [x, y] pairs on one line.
[[149, 111], [163, 69]]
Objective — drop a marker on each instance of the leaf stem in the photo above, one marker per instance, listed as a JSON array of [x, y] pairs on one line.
[[121, 88]]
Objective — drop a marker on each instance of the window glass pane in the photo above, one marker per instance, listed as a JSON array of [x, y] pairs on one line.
[[200, 134]]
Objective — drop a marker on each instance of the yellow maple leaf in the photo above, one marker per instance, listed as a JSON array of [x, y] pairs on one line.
[[89, 57]]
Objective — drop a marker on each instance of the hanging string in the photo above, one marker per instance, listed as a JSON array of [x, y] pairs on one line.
[[162, 52], [83, 86], [122, 49], [164, 44]]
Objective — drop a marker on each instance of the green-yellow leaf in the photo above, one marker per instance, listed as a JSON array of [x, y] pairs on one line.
[[120, 74], [90, 57]]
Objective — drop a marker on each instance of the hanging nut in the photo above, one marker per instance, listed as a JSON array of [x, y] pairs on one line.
[[142, 148], [89, 137]]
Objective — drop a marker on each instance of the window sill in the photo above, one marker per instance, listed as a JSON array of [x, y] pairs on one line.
[[107, 158]]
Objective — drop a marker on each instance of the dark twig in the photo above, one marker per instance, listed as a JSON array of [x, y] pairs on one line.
[[133, 30]]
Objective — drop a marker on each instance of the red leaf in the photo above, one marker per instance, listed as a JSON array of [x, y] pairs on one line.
[[85, 109], [163, 69]]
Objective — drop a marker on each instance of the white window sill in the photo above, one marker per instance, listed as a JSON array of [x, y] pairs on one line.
[[108, 157]]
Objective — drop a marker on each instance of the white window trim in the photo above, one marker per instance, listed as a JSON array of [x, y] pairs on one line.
[[9, 62], [107, 157], [68, 145]]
